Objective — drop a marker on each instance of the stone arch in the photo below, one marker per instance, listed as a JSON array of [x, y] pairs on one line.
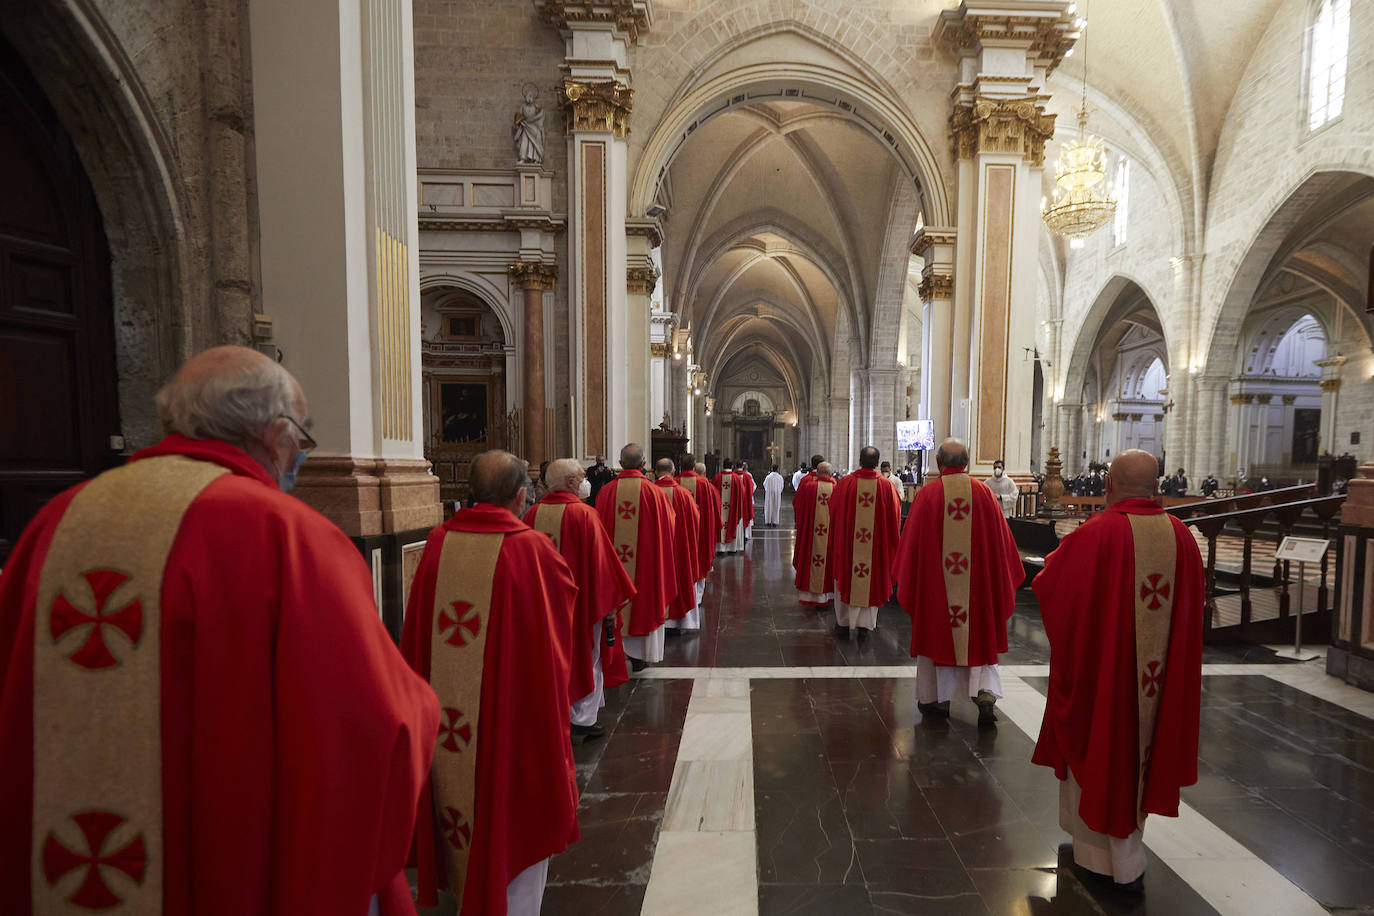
[[1107, 307], [490, 295]]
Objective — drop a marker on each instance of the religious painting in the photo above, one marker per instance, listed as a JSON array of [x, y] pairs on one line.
[[463, 414], [1307, 425]]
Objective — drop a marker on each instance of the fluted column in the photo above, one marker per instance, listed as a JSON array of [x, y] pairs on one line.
[[533, 279]]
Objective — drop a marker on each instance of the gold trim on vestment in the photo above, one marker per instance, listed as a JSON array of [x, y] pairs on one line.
[[548, 518], [957, 541], [690, 483], [820, 538], [625, 538], [457, 651], [1156, 554], [727, 487], [97, 689], [861, 567]]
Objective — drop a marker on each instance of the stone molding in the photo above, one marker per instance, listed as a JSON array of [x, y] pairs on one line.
[[504, 224], [599, 105], [647, 227], [633, 17], [533, 275], [366, 496], [1001, 126], [641, 280], [927, 238], [1047, 38]]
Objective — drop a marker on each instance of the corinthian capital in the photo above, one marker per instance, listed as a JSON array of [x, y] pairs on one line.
[[597, 106]]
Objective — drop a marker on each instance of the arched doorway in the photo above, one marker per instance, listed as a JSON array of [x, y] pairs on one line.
[[59, 409]]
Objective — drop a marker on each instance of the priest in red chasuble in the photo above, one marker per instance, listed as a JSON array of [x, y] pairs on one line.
[[693, 480], [750, 485], [732, 508], [639, 518], [487, 624], [200, 709], [957, 574], [1122, 601], [811, 546], [602, 586], [866, 519], [683, 613]]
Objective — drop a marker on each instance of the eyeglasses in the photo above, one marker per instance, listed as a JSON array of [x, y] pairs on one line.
[[306, 442]]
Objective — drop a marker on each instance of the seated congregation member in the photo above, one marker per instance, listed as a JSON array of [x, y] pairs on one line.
[[866, 513], [732, 501], [957, 573], [602, 586], [1122, 600], [811, 546], [196, 687], [693, 480], [683, 613], [638, 516], [487, 624]]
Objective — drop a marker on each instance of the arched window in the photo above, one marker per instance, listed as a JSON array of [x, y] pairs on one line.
[[1328, 49], [1123, 200]]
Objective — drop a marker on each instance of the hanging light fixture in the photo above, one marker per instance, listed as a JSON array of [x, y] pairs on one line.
[[1083, 200]]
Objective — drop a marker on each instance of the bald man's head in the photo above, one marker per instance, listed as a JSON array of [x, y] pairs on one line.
[[663, 467], [823, 469], [632, 457], [498, 478], [1134, 475], [952, 454], [564, 475]]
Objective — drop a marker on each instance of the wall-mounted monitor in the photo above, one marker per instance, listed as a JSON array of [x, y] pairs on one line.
[[915, 435]]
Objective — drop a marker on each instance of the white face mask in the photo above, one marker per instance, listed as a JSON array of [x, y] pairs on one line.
[[996, 472], [584, 489]]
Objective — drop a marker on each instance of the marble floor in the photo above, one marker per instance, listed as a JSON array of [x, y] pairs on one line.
[[766, 767]]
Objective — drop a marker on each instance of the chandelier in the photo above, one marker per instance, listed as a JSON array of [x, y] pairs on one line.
[[1083, 202]]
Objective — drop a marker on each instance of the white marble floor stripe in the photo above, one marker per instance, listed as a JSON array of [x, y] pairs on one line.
[[1222, 871], [706, 860]]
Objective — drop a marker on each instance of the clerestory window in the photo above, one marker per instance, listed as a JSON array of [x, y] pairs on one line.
[[1328, 50]]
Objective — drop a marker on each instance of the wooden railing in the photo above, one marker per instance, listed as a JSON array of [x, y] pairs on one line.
[[1248, 513]]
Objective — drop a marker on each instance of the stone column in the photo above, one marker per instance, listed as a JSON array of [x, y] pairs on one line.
[[935, 246], [533, 279], [339, 249], [882, 411], [609, 340], [1331, 395], [1070, 434], [1000, 129]]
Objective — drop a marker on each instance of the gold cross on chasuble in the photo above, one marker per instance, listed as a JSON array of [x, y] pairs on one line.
[[457, 650], [861, 567], [956, 541], [820, 537], [97, 689], [1156, 553]]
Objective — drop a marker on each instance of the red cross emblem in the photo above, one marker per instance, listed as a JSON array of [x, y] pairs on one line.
[[627, 509], [1153, 589], [956, 563], [863, 535], [822, 498], [861, 570], [957, 616], [456, 828], [464, 624], [625, 552], [821, 530], [1150, 680], [96, 827], [818, 560], [865, 499], [957, 509], [455, 732], [94, 654]]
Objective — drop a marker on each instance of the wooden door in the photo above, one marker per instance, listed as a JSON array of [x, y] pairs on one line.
[[58, 388]]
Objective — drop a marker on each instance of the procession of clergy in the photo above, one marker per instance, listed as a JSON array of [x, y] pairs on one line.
[[202, 712]]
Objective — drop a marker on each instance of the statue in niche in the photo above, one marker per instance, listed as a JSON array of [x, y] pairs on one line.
[[528, 129]]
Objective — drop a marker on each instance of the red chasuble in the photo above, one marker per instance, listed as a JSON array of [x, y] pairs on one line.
[[602, 585], [746, 483], [811, 546], [486, 624], [957, 571], [1122, 601], [238, 733], [732, 499], [686, 543], [865, 525], [708, 503], [639, 518]]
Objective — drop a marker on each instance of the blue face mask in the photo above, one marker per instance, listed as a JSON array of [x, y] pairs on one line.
[[288, 480]]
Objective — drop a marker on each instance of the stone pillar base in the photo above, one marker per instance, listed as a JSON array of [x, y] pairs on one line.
[[1358, 508], [367, 496]]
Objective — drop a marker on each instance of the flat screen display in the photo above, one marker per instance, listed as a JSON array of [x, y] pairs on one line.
[[915, 435]]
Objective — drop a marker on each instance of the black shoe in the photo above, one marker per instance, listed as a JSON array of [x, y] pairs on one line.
[[934, 709], [582, 733], [842, 632], [1131, 888], [636, 664], [863, 634], [986, 701]]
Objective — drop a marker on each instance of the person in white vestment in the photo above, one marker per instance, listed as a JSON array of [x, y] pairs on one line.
[[797, 477], [1004, 488], [886, 470], [772, 498]]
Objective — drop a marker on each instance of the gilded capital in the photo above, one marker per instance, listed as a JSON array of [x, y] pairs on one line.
[[935, 286], [1331, 384], [603, 105], [659, 348], [1046, 37], [927, 238], [532, 275], [1001, 126], [641, 280], [1237, 399], [633, 17]]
